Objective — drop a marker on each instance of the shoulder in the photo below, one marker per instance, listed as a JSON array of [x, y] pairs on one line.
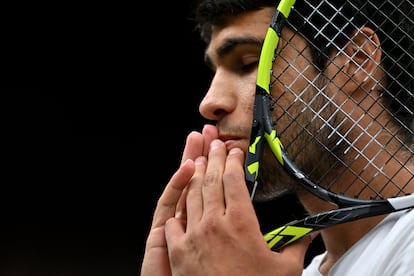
[[395, 229], [313, 268], [385, 250], [400, 221]]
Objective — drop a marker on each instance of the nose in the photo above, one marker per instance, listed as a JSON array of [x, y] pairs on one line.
[[221, 97]]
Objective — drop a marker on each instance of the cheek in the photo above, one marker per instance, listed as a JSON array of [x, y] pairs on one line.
[[246, 87], [292, 90]]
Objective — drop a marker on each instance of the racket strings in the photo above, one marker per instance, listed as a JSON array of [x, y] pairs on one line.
[[316, 112], [404, 44], [403, 10], [347, 134], [304, 127]]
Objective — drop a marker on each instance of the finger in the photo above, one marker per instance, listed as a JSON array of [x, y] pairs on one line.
[[181, 208], [297, 250], [193, 146], [192, 149], [194, 198], [212, 188], [166, 205], [210, 133], [174, 229], [235, 189]]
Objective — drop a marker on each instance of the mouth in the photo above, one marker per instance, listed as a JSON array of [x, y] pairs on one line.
[[233, 141]]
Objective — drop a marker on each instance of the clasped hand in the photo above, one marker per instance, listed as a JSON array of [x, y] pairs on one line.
[[205, 223]]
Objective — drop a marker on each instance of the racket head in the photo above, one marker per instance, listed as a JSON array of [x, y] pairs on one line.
[[331, 128], [348, 133]]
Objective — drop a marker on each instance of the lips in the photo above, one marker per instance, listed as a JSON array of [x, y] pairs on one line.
[[232, 141]]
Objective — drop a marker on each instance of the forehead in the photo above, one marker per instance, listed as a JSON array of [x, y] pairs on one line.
[[250, 28], [248, 24]]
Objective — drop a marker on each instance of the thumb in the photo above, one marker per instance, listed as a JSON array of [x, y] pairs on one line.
[[297, 250]]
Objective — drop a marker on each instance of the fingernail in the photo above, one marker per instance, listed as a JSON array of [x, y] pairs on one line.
[[215, 144], [200, 160], [235, 151]]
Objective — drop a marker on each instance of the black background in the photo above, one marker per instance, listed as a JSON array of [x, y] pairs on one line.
[[97, 102]]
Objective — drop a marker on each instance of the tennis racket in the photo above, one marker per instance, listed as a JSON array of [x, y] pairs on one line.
[[347, 151]]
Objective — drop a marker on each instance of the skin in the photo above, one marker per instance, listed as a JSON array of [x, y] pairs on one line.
[[204, 222]]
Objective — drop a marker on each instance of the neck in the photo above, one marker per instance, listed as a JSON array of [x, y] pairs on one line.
[[339, 238]]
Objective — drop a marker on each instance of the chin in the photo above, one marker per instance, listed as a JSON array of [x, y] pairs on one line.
[[271, 193]]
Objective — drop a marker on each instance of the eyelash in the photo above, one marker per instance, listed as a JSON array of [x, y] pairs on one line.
[[250, 66]]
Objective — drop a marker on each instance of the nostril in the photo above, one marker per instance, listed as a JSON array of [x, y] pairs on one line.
[[219, 112]]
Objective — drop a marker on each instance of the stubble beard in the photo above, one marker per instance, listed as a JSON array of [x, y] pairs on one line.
[[304, 147]]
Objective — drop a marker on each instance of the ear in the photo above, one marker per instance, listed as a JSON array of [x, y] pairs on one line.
[[361, 61]]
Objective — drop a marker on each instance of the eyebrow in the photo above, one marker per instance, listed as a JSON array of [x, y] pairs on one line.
[[230, 44]]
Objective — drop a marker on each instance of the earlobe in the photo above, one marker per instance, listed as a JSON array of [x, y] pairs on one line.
[[364, 57]]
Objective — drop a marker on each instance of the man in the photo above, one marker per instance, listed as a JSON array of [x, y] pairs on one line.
[[342, 90]]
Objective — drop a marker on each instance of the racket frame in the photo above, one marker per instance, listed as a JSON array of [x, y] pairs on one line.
[[349, 209]]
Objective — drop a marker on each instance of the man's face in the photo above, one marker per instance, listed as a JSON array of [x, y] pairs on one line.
[[318, 115], [233, 54]]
